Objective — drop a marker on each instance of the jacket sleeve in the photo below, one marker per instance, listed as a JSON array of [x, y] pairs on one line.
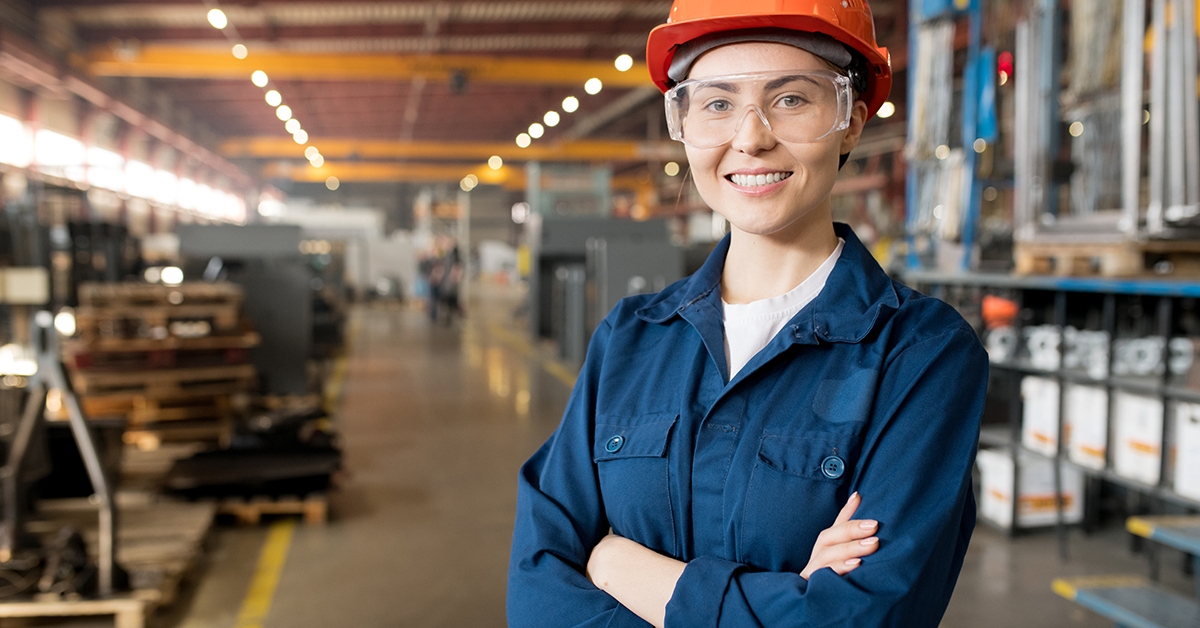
[[914, 476], [560, 518]]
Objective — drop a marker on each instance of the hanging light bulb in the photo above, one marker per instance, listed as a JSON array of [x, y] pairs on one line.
[[273, 98], [259, 78], [217, 18]]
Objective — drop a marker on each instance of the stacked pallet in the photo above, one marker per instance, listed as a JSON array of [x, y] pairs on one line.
[[168, 359]]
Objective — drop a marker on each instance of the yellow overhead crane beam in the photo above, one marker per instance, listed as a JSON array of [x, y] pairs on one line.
[[507, 176], [193, 63], [345, 148]]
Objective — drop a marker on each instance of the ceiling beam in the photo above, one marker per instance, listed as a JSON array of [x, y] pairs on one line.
[[509, 177], [334, 148], [178, 62]]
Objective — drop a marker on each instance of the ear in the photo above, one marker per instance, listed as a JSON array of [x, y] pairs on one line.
[[858, 118]]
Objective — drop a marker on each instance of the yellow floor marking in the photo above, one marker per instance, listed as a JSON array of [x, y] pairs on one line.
[[333, 387], [259, 596], [522, 346]]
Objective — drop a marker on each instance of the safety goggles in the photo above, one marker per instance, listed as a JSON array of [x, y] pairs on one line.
[[796, 105]]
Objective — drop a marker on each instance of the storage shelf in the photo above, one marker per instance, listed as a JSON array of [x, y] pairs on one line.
[[1150, 385], [1000, 437], [1148, 287]]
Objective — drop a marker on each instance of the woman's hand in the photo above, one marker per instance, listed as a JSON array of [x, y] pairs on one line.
[[842, 545]]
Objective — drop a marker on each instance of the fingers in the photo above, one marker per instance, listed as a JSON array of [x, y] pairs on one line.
[[848, 510], [844, 558]]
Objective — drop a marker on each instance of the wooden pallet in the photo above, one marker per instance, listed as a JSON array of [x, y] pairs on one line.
[[1108, 259], [102, 294], [159, 353], [153, 435], [126, 321], [314, 508], [161, 383], [158, 543]]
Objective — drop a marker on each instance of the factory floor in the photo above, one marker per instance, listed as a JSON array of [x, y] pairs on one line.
[[435, 420]]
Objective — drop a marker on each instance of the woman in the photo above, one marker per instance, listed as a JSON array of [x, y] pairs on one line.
[[723, 431]]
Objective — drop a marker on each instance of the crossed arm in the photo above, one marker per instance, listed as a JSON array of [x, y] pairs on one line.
[[643, 580]]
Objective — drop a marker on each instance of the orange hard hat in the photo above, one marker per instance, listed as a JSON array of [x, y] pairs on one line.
[[847, 21]]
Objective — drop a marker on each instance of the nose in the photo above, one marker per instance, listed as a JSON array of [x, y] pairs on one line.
[[752, 137]]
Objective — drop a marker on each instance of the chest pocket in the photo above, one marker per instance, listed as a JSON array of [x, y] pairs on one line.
[[631, 458], [798, 485]]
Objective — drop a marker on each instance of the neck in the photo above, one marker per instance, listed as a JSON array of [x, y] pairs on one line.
[[765, 266]]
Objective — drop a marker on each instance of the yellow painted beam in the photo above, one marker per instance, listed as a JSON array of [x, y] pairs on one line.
[[510, 177], [183, 62], [335, 148]]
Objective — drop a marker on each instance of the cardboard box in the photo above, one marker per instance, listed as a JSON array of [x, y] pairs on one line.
[[1039, 424], [1086, 428], [1187, 450], [1137, 437], [1035, 499]]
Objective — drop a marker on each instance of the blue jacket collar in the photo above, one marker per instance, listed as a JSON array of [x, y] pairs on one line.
[[856, 294]]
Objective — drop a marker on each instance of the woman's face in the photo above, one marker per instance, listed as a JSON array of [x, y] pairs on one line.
[[787, 207]]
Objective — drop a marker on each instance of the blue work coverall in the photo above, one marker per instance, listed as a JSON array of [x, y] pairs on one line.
[[872, 387]]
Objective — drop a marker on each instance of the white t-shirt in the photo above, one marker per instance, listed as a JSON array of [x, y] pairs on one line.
[[750, 327]]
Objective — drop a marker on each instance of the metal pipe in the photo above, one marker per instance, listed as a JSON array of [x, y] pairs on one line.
[[1191, 107], [12, 467], [1024, 210], [1133, 60], [1176, 186], [1158, 121], [106, 546]]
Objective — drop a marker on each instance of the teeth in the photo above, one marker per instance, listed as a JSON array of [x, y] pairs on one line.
[[756, 180]]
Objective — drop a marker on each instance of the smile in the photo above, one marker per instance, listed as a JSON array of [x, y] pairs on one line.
[[757, 180]]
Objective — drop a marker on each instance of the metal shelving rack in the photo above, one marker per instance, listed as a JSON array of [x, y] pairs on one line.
[[1009, 436]]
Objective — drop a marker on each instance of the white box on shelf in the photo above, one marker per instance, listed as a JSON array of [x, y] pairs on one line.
[[1137, 437], [1039, 424], [1187, 450], [1035, 497], [1086, 425]]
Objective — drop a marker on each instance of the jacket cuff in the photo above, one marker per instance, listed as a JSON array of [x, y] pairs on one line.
[[699, 592]]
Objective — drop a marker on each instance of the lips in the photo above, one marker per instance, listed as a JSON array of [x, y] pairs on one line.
[[757, 180]]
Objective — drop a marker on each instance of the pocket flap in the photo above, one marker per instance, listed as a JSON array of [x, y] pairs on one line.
[[809, 455], [632, 437]]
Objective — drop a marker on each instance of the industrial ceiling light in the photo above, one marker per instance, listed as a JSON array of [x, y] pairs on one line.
[[551, 118], [217, 18], [317, 160], [570, 104], [301, 137], [523, 140], [332, 183], [887, 110], [536, 130], [274, 99], [495, 162], [292, 126], [593, 86], [311, 152], [671, 168], [172, 275], [623, 63], [259, 78], [283, 112], [239, 51]]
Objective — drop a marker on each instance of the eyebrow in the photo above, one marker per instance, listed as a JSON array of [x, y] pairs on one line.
[[773, 84], [784, 80]]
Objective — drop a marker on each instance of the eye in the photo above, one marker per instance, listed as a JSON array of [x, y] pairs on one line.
[[718, 106], [791, 101]]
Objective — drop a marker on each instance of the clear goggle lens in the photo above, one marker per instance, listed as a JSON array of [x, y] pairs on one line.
[[797, 106]]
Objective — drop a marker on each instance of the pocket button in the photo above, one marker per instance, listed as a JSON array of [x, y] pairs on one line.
[[833, 467], [614, 444]]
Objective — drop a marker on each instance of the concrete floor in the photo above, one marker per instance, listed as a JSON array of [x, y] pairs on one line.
[[435, 422]]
